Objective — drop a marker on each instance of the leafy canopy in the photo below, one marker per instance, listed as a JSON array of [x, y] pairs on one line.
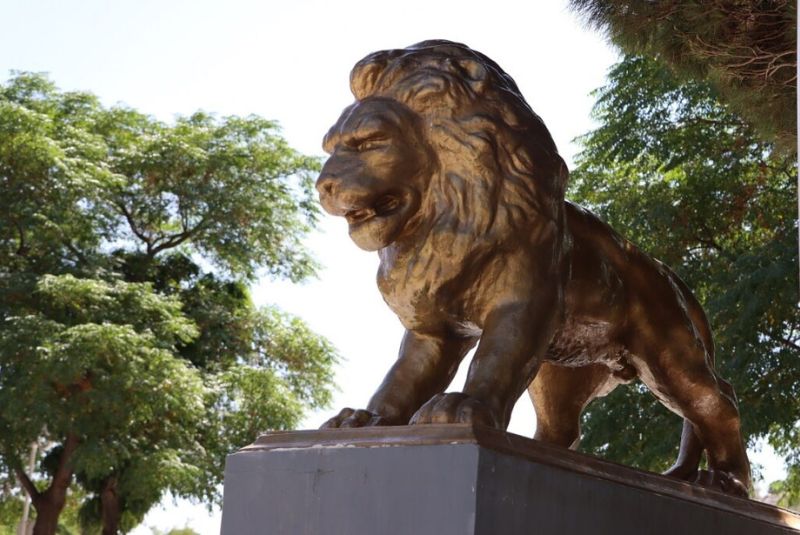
[[78, 176], [95, 358]]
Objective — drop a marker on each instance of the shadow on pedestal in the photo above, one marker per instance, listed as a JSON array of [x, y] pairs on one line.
[[464, 480]]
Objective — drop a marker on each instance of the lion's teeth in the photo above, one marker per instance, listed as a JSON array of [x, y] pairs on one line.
[[356, 216], [388, 205]]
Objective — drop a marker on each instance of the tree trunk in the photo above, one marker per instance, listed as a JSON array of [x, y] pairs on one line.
[[110, 510], [50, 503], [47, 513]]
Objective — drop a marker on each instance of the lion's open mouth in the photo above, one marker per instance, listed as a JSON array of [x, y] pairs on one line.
[[385, 206]]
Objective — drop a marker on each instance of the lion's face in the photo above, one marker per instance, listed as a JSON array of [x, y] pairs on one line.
[[378, 170]]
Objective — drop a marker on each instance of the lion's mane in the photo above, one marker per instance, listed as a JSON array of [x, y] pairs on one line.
[[498, 164]]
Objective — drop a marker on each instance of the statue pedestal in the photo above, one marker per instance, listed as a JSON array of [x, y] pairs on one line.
[[464, 480]]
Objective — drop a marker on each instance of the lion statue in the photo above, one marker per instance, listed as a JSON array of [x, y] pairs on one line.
[[442, 168]]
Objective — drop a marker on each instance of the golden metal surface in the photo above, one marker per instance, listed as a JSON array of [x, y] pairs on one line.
[[442, 168]]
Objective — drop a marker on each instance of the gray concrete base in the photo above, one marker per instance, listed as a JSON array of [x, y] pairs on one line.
[[463, 480]]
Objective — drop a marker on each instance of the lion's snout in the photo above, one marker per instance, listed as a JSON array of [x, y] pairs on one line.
[[325, 188], [325, 185], [328, 187], [338, 199]]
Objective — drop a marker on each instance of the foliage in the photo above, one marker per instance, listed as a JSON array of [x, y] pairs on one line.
[[10, 513], [97, 361], [128, 339], [95, 357], [79, 175], [51, 177], [219, 187], [747, 50], [787, 491], [681, 175]]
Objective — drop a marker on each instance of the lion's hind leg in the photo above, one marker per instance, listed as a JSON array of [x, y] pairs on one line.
[[686, 383], [559, 395], [687, 465]]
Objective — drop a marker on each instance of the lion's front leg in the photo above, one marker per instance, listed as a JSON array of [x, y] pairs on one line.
[[425, 366], [515, 337]]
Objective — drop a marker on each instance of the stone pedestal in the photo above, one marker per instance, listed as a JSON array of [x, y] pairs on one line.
[[463, 480]]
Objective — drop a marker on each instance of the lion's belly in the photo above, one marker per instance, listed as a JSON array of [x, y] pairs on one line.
[[581, 341]]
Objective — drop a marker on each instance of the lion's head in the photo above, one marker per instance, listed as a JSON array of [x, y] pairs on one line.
[[438, 140]]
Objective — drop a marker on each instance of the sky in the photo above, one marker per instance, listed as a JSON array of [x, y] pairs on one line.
[[290, 61]]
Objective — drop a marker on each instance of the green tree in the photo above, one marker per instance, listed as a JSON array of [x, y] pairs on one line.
[[689, 181], [91, 367], [98, 205], [746, 50]]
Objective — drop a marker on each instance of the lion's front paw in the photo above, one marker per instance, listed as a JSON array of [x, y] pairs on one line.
[[354, 418], [454, 408]]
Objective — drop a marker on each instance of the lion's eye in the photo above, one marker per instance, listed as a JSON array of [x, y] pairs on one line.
[[370, 144]]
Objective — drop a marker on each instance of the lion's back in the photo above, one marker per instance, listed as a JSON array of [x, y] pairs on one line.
[[615, 281]]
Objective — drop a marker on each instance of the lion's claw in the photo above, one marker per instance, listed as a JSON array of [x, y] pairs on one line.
[[454, 408], [348, 417]]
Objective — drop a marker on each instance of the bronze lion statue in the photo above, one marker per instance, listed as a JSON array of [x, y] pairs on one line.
[[442, 168]]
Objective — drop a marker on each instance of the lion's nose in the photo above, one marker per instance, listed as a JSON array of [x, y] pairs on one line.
[[325, 185]]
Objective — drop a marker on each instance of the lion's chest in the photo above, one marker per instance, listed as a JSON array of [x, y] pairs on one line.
[[427, 292], [416, 302]]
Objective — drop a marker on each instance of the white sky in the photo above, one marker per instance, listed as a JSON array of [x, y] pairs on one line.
[[290, 61]]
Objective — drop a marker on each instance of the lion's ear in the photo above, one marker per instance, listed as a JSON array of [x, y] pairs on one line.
[[365, 75]]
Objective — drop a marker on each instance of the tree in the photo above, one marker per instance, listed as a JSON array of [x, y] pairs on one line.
[[223, 189], [747, 50], [91, 367], [688, 180], [98, 205]]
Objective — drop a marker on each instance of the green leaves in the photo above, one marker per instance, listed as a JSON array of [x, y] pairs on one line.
[[229, 189], [49, 178], [79, 301], [303, 359], [77, 177], [112, 381], [678, 173]]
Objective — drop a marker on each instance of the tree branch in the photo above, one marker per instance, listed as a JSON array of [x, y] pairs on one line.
[[134, 228], [21, 250], [74, 250], [784, 341], [63, 473], [172, 241], [27, 484], [176, 239]]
